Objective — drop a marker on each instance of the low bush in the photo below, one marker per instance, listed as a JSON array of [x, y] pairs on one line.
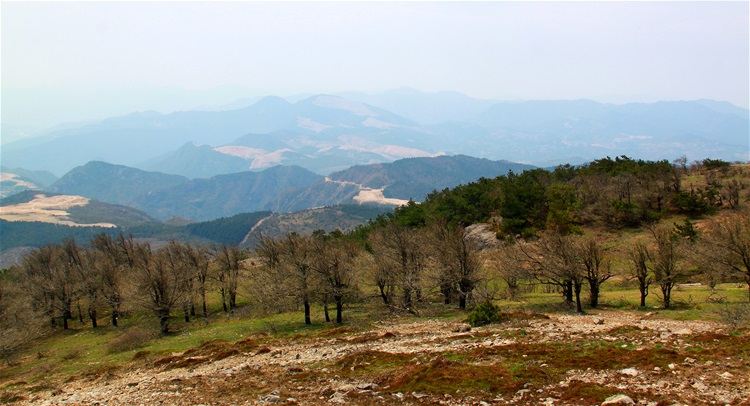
[[130, 340], [484, 313]]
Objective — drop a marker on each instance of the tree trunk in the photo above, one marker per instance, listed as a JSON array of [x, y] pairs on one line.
[[383, 295], [186, 313], [114, 317], [307, 311], [80, 312], [462, 301], [407, 298], [594, 292], [67, 315], [339, 309], [643, 298], [164, 322], [666, 291], [232, 300], [192, 308], [224, 300], [568, 291], [92, 316], [325, 311], [203, 302], [577, 287]]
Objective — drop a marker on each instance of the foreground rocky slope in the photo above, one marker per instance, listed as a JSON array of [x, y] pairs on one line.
[[528, 359]]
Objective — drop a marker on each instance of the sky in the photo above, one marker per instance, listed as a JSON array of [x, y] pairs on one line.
[[72, 62]]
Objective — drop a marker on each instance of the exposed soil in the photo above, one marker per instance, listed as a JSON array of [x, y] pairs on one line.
[[528, 359]]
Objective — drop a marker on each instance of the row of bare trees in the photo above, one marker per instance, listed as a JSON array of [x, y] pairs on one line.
[[672, 255], [402, 266], [61, 279]]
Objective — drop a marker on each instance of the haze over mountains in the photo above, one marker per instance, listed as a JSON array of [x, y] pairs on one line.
[[232, 208], [278, 189], [327, 133], [271, 166]]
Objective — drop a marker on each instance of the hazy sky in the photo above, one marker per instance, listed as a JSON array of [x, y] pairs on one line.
[[78, 61]]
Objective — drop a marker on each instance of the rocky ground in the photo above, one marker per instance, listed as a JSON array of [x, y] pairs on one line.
[[528, 359]]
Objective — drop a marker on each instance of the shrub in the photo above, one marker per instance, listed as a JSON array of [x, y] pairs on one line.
[[709, 163], [484, 313], [735, 316], [130, 340]]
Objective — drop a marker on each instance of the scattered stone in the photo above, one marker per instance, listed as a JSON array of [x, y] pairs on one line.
[[671, 366], [367, 386], [338, 397], [699, 386], [726, 375], [270, 398], [618, 400], [598, 320], [398, 395], [629, 372], [461, 328], [689, 360], [418, 395]]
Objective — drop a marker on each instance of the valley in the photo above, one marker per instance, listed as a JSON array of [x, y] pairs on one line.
[[487, 203]]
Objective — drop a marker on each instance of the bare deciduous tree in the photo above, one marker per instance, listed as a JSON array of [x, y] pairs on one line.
[[509, 264], [458, 259], [640, 257], [291, 257], [400, 255], [159, 279], [334, 260], [667, 264], [728, 245], [229, 259], [51, 282], [556, 259], [197, 259], [597, 268], [83, 264]]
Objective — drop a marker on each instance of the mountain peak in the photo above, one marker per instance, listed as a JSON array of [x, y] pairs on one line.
[[339, 103], [271, 101]]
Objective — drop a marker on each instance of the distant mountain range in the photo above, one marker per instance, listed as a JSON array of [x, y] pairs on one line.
[[277, 189], [329, 133], [269, 166], [414, 178]]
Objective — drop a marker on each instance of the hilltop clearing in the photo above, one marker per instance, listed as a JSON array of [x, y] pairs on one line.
[[530, 358]]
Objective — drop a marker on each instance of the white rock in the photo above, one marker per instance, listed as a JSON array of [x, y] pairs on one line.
[[629, 371], [618, 400], [700, 386], [367, 386], [271, 398]]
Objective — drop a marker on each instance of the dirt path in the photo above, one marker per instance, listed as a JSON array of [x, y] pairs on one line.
[[255, 226], [324, 369]]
